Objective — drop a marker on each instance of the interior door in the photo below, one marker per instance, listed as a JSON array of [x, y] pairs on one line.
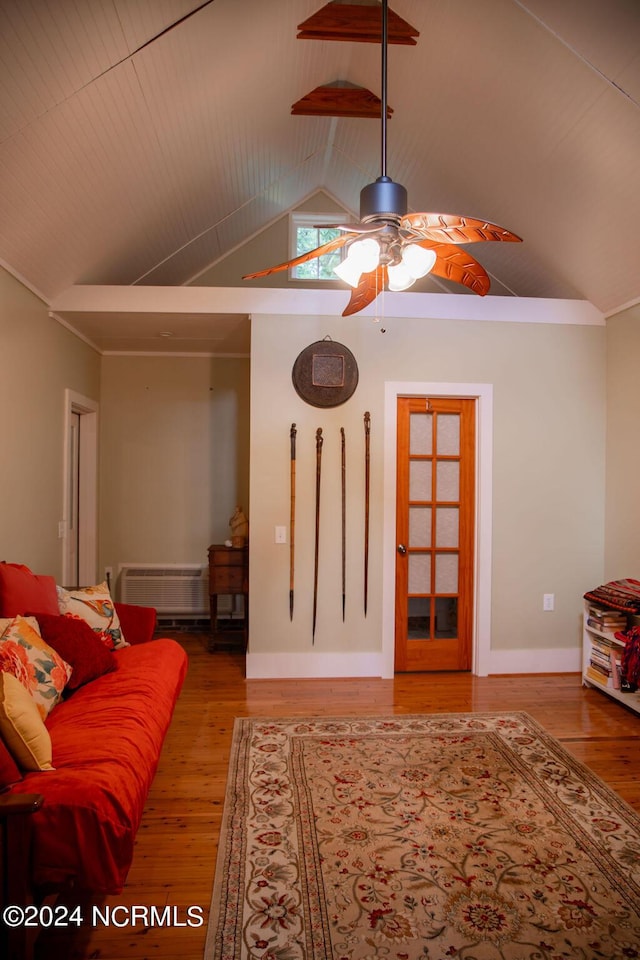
[[435, 520]]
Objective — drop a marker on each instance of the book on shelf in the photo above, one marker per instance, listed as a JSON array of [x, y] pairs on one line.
[[602, 666], [608, 620], [606, 627], [605, 667], [602, 643], [600, 661], [603, 647], [598, 677], [616, 668]]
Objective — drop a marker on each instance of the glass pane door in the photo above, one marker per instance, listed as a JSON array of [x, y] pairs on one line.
[[436, 442]]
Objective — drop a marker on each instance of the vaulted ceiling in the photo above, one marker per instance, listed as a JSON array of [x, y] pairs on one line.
[[143, 140]]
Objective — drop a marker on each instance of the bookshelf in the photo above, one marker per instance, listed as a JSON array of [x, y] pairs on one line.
[[602, 652]]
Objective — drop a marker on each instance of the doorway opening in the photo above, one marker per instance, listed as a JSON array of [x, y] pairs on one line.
[[80, 486]]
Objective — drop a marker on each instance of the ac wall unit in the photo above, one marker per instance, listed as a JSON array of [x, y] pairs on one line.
[[173, 589]]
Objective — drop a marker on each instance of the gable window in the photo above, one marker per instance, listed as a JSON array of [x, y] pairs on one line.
[[308, 231]]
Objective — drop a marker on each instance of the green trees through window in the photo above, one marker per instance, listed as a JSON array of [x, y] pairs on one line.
[[307, 233]]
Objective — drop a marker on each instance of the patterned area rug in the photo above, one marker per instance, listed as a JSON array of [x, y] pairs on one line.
[[472, 836]]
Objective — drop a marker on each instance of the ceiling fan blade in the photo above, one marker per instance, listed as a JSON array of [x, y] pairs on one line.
[[459, 266], [371, 227], [371, 284], [450, 228], [311, 255]]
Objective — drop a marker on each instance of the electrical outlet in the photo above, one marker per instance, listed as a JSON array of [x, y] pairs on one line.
[[548, 601], [108, 574], [281, 534]]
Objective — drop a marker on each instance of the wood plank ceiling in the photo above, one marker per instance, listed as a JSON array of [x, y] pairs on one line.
[[143, 140]]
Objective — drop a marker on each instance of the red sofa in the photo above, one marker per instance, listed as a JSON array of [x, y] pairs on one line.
[[79, 820]]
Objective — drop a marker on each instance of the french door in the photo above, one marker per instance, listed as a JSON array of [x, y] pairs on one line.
[[435, 533]]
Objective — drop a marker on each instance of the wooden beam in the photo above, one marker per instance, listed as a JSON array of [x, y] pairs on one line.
[[356, 22], [335, 101]]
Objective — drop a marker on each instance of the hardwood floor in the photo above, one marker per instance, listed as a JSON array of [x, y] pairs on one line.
[[177, 842]]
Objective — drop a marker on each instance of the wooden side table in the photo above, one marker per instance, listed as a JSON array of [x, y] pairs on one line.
[[228, 576]]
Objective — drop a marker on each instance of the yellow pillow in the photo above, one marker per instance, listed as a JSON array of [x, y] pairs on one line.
[[23, 731]]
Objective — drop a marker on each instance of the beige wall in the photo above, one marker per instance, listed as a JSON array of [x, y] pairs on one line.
[[548, 473], [40, 359], [622, 552], [175, 442], [174, 452]]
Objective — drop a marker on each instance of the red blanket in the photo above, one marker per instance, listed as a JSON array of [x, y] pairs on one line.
[[617, 595], [106, 740]]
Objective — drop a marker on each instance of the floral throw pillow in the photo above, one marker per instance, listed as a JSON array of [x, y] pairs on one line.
[[25, 655], [94, 604]]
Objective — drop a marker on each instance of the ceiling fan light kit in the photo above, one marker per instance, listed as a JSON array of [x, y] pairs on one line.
[[415, 262], [362, 256], [418, 261], [392, 247]]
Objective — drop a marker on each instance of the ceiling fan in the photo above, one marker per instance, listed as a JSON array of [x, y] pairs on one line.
[[392, 248]]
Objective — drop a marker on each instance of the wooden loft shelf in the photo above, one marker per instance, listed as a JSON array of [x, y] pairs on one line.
[[356, 22], [340, 101]]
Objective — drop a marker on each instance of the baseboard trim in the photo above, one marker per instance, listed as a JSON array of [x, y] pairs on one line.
[[284, 666], [553, 660]]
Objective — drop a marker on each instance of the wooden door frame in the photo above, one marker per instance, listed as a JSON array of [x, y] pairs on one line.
[[88, 506], [482, 393]]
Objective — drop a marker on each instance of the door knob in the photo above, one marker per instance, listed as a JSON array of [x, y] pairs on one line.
[[402, 549]]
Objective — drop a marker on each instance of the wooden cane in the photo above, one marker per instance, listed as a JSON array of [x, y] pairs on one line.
[[292, 519], [315, 568], [344, 519], [367, 483]]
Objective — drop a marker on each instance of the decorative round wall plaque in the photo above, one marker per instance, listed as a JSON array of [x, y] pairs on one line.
[[325, 374]]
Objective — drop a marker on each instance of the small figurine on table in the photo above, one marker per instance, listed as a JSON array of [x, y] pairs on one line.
[[239, 528]]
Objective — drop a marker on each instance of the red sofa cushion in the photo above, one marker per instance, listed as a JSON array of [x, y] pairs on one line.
[[9, 772], [107, 739], [76, 643], [138, 623], [21, 590]]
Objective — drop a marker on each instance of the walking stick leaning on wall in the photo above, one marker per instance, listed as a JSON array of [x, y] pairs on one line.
[[367, 484], [292, 518], [343, 465], [317, 543]]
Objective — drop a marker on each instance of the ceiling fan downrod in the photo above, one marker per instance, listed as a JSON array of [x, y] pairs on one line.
[[384, 199], [390, 248]]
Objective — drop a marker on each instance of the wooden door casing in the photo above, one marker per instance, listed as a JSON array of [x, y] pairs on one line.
[[427, 650]]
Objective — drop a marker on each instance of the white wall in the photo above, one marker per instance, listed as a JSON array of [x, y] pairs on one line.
[[39, 359], [548, 479], [174, 456]]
